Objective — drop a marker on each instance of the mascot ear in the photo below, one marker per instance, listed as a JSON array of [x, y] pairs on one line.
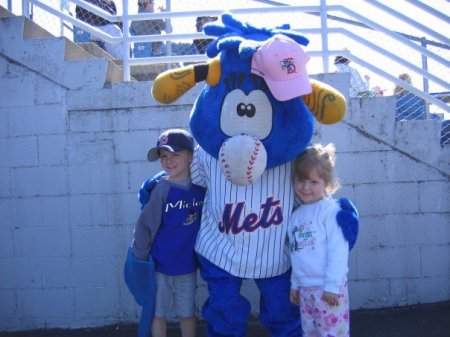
[[172, 84], [326, 103]]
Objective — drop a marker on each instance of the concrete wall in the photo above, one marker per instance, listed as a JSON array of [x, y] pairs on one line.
[[71, 163]]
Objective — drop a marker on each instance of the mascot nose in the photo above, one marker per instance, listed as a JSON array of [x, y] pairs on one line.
[[243, 159]]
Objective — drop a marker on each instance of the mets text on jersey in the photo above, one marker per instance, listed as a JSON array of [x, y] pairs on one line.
[[272, 214]]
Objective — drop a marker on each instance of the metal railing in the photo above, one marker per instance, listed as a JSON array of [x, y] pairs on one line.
[[435, 52]]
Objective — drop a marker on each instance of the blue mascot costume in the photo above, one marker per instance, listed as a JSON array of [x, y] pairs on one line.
[[254, 116]]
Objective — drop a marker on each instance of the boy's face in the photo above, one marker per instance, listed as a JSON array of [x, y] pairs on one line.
[[176, 164]]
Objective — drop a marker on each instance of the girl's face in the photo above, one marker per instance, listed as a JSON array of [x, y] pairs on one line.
[[176, 164], [310, 190]]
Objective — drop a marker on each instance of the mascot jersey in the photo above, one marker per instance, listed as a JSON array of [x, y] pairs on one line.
[[243, 228]]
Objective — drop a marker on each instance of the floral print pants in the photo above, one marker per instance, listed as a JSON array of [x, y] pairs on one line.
[[320, 319]]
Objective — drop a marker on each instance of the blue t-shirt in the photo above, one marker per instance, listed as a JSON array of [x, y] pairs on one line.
[[168, 225]]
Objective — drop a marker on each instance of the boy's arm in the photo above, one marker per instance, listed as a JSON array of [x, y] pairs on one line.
[[148, 224]]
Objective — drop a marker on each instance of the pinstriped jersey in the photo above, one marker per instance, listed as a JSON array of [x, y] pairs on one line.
[[244, 228]]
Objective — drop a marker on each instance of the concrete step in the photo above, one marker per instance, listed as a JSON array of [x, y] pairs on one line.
[[46, 56], [19, 27], [419, 139], [115, 71], [4, 12], [54, 57], [422, 139], [94, 50]]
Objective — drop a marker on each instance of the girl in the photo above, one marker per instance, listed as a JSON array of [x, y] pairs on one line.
[[319, 251]]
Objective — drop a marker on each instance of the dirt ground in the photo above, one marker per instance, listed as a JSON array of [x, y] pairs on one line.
[[428, 320]]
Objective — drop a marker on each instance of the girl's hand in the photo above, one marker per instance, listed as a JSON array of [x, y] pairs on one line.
[[295, 297], [331, 298]]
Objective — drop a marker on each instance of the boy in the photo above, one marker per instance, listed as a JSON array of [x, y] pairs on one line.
[[167, 228]]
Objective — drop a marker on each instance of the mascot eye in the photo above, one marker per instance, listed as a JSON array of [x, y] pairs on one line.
[[246, 110], [246, 114]]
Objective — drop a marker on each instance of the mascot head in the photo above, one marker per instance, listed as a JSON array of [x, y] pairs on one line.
[[258, 106]]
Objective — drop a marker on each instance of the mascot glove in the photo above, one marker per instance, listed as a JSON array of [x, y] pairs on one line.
[[348, 219], [140, 279], [147, 187]]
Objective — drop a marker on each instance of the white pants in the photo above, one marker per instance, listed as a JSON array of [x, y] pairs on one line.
[[116, 50]]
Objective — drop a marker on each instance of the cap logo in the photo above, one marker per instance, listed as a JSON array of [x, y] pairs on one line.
[[281, 61], [288, 64], [163, 140]]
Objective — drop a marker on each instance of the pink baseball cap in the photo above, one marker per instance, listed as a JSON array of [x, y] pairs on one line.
[[282, 63]]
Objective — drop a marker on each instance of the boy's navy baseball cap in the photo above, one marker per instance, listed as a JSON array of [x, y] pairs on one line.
[[173, 140]]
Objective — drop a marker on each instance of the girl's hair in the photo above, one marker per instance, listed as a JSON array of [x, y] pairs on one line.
[[321, 158]]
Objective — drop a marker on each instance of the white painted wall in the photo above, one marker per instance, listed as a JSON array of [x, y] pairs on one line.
[[71, 163]]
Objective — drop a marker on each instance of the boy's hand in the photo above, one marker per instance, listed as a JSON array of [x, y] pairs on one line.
[[331, 298], [295, 296]]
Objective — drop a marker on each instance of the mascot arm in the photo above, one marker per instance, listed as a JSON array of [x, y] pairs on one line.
[[173, 83], [198, 173], [348, 219], [147, 187], [326, 103]]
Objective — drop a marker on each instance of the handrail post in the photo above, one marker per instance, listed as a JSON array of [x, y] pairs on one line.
[[26, 8], [324, 34], [426, 89], [62, 5], [126, 42], [168, 31]]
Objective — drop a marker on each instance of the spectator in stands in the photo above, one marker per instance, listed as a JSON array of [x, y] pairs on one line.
[[399, 90], [110, 28], [150, 27], [199, 45], [202, 44], [358, 86], [377, 90], [408, 105]]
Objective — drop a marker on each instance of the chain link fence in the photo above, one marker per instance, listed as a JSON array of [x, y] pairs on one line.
[[145, 27], [408, 105]]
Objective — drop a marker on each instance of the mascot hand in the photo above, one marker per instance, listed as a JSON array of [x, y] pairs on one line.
[[348, 219], [148, 186]]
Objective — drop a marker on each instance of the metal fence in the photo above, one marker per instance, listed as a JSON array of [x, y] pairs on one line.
[[169, 32]]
